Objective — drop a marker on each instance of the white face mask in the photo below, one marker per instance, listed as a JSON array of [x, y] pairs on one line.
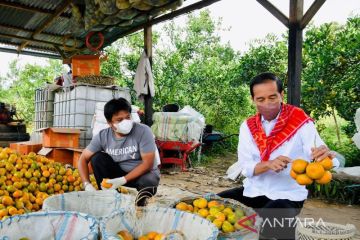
[[124, 127]]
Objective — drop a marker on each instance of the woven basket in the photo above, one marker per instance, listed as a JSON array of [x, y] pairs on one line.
[[98, 203], [46, 225], [324, 231], [175, 224], [242, 234]]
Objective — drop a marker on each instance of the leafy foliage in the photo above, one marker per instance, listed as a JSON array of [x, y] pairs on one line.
[[192, 59], [18, 87], [332, 69]]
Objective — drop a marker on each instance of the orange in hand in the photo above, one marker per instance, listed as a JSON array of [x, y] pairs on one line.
[[299, 166], [327, 163], [315, 170], [293, 174], [303, 179], [325, 179], [105, 184]]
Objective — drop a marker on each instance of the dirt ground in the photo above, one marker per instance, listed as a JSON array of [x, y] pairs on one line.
[[201, 180]]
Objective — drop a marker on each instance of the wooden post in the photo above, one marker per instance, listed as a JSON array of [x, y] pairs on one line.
[[296, 22], [295, 52], [148, 101]]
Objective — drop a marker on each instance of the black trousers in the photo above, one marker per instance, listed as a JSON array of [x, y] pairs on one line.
[[278, 215], [104, 167]]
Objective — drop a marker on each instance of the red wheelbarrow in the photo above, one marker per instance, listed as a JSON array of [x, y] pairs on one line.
[[176, 152]]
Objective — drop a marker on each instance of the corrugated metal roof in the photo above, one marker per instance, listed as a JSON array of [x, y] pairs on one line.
[[19, 19]]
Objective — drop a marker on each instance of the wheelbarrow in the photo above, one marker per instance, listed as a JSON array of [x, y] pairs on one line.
[[176, 152]]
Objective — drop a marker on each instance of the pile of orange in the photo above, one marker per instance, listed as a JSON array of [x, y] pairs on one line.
[[27, 180], [224, 217], [125, 235], [306, 173]]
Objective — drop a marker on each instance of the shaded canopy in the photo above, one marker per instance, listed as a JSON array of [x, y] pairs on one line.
[[58, 29]]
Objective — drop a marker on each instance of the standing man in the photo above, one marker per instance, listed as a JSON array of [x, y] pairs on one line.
[[268, 142], [124, 153]]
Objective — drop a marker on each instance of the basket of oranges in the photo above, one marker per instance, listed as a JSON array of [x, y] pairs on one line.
[[156, 223], [232, 218]]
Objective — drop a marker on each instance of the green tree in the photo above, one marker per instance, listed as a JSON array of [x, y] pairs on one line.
[[18, 86], [264, 55], [191, 67], [332, 69]]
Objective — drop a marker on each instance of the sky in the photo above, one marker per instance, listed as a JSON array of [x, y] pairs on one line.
[[247, 19]]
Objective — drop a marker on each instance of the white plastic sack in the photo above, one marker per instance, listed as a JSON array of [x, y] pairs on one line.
[[98, 203], [57, 225], [162, 220], [185, 125]]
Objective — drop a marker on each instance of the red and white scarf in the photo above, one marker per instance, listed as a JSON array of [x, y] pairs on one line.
[[289, 121]]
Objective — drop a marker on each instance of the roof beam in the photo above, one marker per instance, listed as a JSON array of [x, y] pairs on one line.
[[313, 9], [275, 12], [30, 9], [29, 31], [30, 53], [29, 39], [62, 54], [26, 30], [57, 13], [171, 15]]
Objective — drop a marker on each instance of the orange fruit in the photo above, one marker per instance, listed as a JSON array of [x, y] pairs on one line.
[[105, 184], [151, 235], [325, 179], [202, 203], [303, 179], [190, 208], [315, 170], [220, 216], [46, 173], [143, 238], [203, 212], [29, 206], [39, 201], [19, 204], [71, 178], [213, 203], [125, 235], [17, 194], [3, 213], [57, 187], [65, 188], [12, 210], [327, 163], [7, 200], [36, 207], [159, 236], [218, 223], [293, 174], [299, 166], [21, 211], [181, 206]]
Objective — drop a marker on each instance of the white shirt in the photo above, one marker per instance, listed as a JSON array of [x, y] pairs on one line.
[[144, 81], [272, 184]]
